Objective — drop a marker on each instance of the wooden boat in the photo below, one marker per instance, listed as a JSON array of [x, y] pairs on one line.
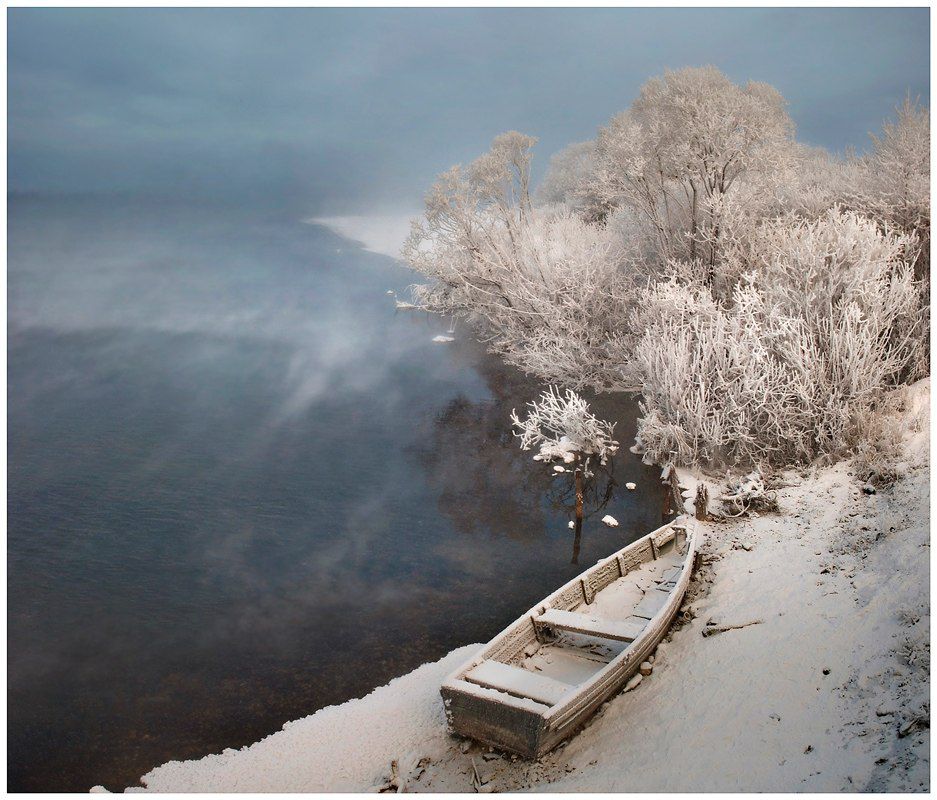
[[539, 680]]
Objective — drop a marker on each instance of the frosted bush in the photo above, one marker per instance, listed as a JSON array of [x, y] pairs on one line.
[[548, 288], [563, 427], [825, 320]]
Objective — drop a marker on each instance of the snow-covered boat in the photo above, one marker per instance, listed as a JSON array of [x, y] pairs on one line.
[[541, 678]]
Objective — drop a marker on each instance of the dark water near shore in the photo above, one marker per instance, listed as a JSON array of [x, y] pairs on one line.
[[243, 487]]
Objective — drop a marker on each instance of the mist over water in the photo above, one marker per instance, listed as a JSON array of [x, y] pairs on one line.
[[242, 486]]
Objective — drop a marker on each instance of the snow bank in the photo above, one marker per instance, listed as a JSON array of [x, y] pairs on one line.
[[378, 234], [340, 748]]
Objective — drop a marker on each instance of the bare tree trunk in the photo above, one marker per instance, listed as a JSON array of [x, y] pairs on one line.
[[673, 499], [579, 495]]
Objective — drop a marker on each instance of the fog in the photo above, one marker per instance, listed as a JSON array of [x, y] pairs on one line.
[[355, 110]]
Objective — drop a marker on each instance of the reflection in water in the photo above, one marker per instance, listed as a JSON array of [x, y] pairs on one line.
[[598, 487], [234, 471]]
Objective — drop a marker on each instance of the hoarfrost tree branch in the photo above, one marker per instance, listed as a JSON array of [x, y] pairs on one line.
[[564, 428]]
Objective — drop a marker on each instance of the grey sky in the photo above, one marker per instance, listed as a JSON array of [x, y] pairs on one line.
[[340, 110]]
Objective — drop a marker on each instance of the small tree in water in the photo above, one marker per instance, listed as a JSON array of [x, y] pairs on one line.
[[565, 429]]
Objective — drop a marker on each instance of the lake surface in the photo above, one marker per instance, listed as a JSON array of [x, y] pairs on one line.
[[242, 486]]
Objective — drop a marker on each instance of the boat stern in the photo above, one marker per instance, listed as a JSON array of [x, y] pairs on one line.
[[508, 723]]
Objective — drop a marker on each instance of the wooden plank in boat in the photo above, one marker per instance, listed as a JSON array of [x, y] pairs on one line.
[[619, 630], [652, 602], [669, 576], [518, 681]]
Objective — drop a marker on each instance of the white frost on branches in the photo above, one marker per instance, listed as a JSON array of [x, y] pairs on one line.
[[762, 295], [564, 428], [748, 492], [549, 287], [790, 366]]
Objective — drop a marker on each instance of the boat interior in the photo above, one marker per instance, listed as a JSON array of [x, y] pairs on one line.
[[564, 643]]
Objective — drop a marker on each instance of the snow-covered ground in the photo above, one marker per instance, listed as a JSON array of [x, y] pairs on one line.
[[800, 662], [383, 234]]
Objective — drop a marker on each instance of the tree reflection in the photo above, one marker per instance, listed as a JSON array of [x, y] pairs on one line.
[[598, 487], [483, 482]]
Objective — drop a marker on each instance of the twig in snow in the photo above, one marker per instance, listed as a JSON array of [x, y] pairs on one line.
[[712, 630]]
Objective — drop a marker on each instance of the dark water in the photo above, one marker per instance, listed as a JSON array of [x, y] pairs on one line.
[[243, 487]]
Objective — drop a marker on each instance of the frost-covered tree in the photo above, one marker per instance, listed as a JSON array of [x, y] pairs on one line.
[[899, 168], [687, 140], [561, 425], [569, 176], [547, 287]]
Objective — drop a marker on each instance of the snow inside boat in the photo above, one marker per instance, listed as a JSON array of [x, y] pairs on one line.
[[539, 680]]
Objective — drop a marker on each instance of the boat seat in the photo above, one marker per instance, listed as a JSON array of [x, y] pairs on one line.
[[518, 681], [652, 602], [619, 630], [523, 704]]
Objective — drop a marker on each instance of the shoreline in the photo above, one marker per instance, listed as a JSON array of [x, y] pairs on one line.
[[378, 233], [823, 688]]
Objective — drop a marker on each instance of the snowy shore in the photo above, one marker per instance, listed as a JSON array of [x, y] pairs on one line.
[[823, 687], [384, 234]]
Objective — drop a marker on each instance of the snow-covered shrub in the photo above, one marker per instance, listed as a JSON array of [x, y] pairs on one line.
[[824, 319], [708, 379], [749, 493], [876, 457], [564, 428]]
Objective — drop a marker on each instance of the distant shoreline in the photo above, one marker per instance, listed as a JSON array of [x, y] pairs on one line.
[[379, 233]]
